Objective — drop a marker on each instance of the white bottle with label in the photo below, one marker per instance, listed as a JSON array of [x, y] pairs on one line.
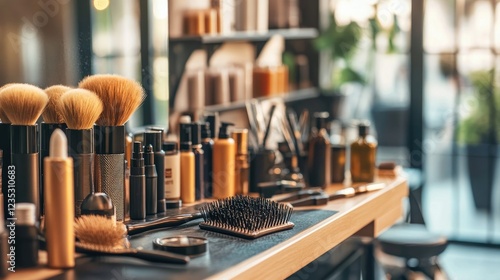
[[172, 171]]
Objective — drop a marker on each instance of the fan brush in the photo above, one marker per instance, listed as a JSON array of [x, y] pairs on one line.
[[52, 119], [80, 109], [23, 104], [98, 235], [246, 217]]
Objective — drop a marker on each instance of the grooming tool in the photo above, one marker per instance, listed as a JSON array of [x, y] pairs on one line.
[[52, 120], [98, 236], [60, 203], [268, 189], [23, 104], [246, 217], [155, 139], [120, 97], [268, 126], [304, 126], [26, 247], [137, 184], [301, 194], [151, 181], [80, 109], [295, 128], [184, 245], [322, 199], [5, 146]]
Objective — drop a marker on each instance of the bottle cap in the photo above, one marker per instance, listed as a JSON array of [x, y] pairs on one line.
[[321, 118], [185, 245], [205, 130], [170, 146], [185, 119], [149, 156], [153, 138], [185, 144], [25, 214], [223, 133], [240, 137], [211, 118], [156, 128], [363, 128], [196, 133]]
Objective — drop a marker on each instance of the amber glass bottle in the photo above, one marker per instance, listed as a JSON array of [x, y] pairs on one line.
[[363, 153], [319, 153]]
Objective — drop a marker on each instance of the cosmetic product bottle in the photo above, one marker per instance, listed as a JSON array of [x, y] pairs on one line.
[[137, 184], [151, 181], [59, 203], [154, 138], [128, 159], [242, 166], [207, 145], [26, 247], [319, 153], [213, 119], [187, 160], [4, 246], [363, 153], [5, 146], [338, 153], [223, 164], [198, 161], [172, 172]]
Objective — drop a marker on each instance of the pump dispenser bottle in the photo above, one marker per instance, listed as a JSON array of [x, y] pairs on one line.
[[223, 164], [319, 153], [137, 184], [207, 144], [198, 160], [187, 165], [151, 181], [154, 138], [363, 153]]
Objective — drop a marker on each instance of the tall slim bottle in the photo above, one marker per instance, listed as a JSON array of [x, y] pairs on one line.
[[242, 167], [187, 165], [223, 164], [207, 144], [172, 172], [154, 138], [198, 161], [319, 153], [363, 154]]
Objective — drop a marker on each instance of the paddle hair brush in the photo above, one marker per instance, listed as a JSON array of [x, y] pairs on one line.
[[80, 109], [120, 97], [52, 119], [23, 104]]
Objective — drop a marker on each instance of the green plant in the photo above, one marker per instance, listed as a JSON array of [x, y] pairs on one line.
[[476, 128]]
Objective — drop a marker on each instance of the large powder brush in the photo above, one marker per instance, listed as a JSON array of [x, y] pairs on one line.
[[120, 97], [5, 147], [23, 104]]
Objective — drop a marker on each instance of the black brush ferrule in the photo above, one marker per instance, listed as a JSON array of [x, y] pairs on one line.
[[23, 139], [80, 141], [109, 139], [5, 146]]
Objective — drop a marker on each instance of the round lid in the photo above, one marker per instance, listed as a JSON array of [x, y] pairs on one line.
[[173, 204], [182, 244], [170, 146]]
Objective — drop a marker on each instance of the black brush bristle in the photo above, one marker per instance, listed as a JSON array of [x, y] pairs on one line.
[[245, 216]]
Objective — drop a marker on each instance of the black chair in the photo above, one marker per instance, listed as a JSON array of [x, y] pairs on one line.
[[411, 240]]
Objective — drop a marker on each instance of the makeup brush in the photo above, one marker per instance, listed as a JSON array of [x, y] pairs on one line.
[[52, 119], [99, 236], [120, 97], [23, 104], [80, 109], [5, 146]]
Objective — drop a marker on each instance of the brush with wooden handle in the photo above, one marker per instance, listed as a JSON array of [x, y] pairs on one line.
[[23, 104], [120, 98]]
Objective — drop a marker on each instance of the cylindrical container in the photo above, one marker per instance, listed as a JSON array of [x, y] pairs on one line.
[[337, 167], [128, 160], [207, 145], [81, 149], [46, 130], [198, 161], [319, 153], [265, 81], [194, 22], [187, 159], [4, 246], [26, 249], [137, 184], [282, 76], [211, 21], [154, 138], [196, 90], [5, 146], [241, 172], [220, 82], [151, 181], [172, 171], [60, 205], [25, 158], [363, 155], [223, 164], [109, 165], [236, 84], [261, 164]]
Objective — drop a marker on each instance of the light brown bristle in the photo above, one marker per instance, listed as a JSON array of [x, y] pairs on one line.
[[22, 103], [3, 116], [120, 97], [51, 114], [80, 108], [99, 230]]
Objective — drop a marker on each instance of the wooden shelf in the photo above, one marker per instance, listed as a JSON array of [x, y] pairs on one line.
[[288, 34]]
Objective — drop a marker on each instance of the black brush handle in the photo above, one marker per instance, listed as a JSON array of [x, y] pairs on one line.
[[311, 201], [161, 223], [83, 169], [159, 256], [27, 180]]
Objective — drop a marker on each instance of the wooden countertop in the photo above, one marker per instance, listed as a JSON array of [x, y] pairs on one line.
[[364, 215]]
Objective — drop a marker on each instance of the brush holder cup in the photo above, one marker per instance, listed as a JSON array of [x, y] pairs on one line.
[[261, 164]]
